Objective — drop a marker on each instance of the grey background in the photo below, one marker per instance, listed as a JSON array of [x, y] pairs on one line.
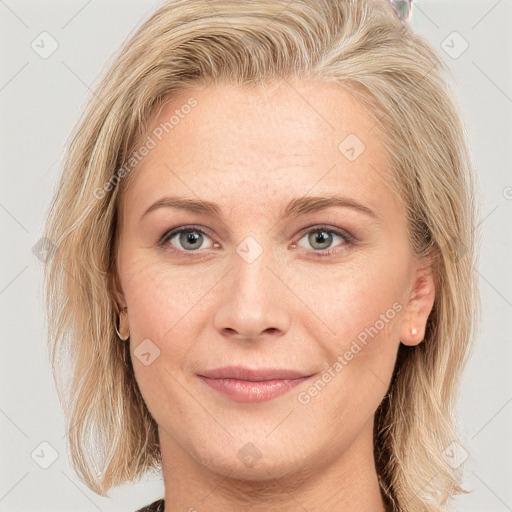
[[40, 101]]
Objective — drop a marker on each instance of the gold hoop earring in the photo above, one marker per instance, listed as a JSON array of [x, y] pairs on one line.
[[117, 331]]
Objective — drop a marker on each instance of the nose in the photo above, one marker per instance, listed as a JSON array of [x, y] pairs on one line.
[[254, 301]]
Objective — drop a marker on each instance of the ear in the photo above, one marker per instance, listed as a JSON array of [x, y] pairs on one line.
[[116, 292], [419, 305]]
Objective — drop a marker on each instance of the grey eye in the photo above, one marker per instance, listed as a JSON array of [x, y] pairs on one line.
[[321, 237]]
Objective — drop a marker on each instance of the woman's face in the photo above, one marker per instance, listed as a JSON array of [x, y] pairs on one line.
[[267, 277]]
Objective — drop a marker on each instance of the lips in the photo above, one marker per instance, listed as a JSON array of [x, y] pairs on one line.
[[248, 374], [252, 385]]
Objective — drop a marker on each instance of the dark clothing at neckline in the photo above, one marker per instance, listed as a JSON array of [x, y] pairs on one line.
[[156, 506]]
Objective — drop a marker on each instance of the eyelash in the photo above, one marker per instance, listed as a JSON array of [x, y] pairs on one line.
[[347, 238]]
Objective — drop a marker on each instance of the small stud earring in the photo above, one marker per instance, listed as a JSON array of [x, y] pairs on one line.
[[414, 331]]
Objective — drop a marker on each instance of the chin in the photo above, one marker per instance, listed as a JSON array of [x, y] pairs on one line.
[[250, 460]]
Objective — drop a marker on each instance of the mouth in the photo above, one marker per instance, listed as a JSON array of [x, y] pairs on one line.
[[252, 385]]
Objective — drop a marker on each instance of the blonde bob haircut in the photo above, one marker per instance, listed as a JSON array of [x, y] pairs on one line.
[[399, 79]]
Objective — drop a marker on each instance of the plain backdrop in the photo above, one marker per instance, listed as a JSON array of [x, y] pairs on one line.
[[43, 87]]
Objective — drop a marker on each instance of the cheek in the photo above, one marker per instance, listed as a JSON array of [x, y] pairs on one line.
[[159, 298], [355, 299], [170, 306], [163, 309], [360, 311], [359, 355]]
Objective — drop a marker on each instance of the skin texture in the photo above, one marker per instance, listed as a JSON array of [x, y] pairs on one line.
[[251, 151]]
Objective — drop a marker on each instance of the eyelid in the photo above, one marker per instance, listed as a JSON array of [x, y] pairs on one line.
[[348, 238], [171, 233], [348, 241], [327, 227]]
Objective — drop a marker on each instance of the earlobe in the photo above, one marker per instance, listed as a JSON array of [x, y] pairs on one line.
[[419, 307], [414, 338]]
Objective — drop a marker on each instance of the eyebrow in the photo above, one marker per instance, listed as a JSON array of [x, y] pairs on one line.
[[295, 208]]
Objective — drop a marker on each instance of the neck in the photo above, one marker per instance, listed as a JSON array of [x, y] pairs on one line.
[[346, 482]]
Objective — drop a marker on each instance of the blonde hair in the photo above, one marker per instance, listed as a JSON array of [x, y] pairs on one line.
[[398, 77]]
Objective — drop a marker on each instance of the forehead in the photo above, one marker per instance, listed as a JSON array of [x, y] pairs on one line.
[[269, 141]]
